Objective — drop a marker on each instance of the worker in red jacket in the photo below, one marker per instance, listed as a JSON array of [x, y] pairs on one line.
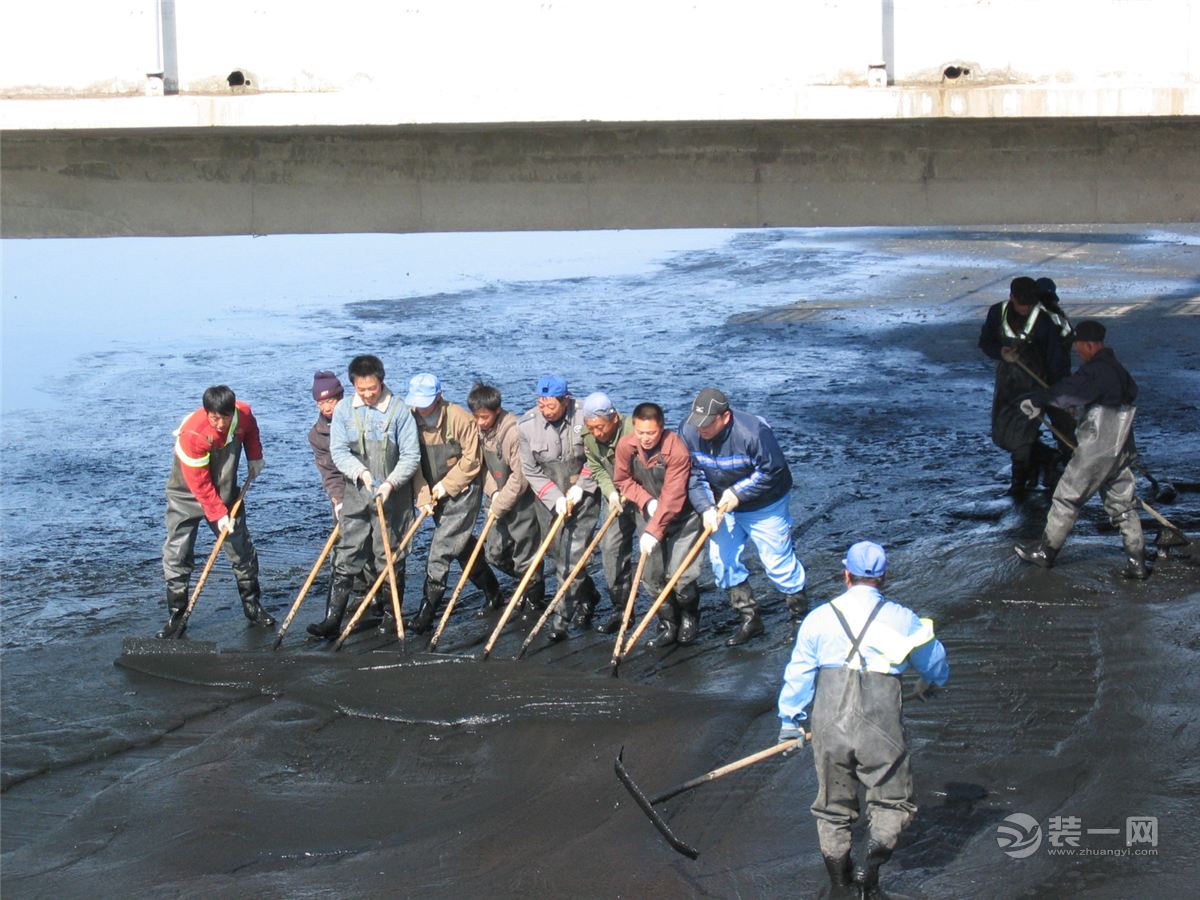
[[203, 485]]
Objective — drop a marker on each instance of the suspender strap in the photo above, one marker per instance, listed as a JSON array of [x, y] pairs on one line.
[[856, 641]]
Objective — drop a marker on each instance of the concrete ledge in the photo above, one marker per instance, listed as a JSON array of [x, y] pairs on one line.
[[598, 176], [955, 99]]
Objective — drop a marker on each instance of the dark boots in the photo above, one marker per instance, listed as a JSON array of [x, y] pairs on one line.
[[742, 599], [387, 625], [668, 631], [797, 605], [868, 876], [251, 595], [335, 609], [533, 604], [586, 608], [177, 600], [430, 598], [1039, 553], [493, 598], [841, 879], [689, 613], [613, 623], [1135, 569]]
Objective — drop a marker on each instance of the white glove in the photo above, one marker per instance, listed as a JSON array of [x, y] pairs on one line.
[[647, 542], [651, 507], [254, 468], [614, 499], [225, 524], [712, 518], [337, 512], [366, 480], [729, 500], [1031, 409], [560, 506], [575, 495], [384, 490], [427, 509], [438, 492]]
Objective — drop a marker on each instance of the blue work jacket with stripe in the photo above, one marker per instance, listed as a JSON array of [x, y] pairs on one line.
[[744, 458]]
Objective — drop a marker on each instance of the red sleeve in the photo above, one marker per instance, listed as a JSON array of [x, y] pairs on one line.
[[194, 442], [623, 473], [671, 502], [247, 431]]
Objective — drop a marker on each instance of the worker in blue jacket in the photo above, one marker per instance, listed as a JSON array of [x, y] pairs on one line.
[[847, 663], [740, 485]]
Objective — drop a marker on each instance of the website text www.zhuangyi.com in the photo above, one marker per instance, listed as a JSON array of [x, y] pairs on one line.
[[1102, 851]]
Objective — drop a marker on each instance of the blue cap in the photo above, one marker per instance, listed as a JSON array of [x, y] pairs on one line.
[[866, 560], [598, 406], [423, 390], [552, 386]]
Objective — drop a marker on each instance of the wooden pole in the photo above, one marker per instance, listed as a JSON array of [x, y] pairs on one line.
[[462, 580], [666, 591], [391, 567], [312, 576], [628, 614], [520, 591], [212, 556]]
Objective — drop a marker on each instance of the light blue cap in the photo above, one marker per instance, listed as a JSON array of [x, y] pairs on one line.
[[598, 406], [866, 560], [423, 390]]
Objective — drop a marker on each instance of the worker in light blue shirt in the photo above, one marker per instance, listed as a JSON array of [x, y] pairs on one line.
[[846, 665]]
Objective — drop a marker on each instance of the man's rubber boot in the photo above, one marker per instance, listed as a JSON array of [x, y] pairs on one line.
[[868, 876], [251, 605], [335, 609], [742, 599], [1020, 479], [387, 625], [1135, 569], [797, 605], [432, 596], [177, 600], [1040, 554], [668, 631], [583, 613], [493, 597], [841, 878], [533, 604], [689, 613], [612, 624]]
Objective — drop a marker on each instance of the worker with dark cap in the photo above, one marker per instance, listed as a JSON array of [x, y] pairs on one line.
[[605, 427], [1061, 421], [740, 484], [1104, 393], [846, 664], [554, 462], [1026, 341]]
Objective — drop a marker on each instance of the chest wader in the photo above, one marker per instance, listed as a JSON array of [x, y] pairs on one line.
[[184, 514], [858, 738], [513, 539], [361, 540], [453, 517], [616, 553], [1100, 463], [572, 540]]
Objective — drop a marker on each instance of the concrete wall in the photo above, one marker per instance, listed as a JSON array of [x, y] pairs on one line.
[[642, 175], [576, 59]]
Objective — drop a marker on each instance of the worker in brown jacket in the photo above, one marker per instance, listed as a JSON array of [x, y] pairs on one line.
[[514, 535], [448, 487], [651, 472]]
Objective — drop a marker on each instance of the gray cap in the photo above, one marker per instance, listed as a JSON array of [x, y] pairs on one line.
[[709, 404], [597, 406]]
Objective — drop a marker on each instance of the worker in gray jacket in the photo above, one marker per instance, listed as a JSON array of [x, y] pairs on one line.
[[554, 462]]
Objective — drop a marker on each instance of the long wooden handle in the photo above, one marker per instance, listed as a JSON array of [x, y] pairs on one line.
[[370, 595], [666, 591], [628, 614], [742, 763], [216, 551], [613, 512], [462, 580], [391, 567], [312, 576], [520, 591]]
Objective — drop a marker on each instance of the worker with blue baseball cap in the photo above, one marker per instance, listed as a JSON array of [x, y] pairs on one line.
[[841, 690]]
